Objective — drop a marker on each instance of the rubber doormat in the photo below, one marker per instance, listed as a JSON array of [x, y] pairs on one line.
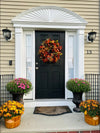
[[52, 111]]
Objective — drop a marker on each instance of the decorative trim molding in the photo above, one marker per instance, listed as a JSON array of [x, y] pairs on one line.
[[48, 16], [19, 53], [80, 43]]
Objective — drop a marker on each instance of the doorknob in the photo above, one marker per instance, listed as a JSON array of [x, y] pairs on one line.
[[36, 68], [36, 63]]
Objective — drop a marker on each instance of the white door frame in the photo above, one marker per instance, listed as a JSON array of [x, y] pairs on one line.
[[76, 65]]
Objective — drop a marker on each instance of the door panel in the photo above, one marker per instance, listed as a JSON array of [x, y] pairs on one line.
[[50, 77]]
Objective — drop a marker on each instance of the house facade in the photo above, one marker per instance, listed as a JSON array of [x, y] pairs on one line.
[[32, 22]]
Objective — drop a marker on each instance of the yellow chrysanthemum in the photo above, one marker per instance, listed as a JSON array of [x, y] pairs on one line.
[[85, 112], [5, 115], [5, 110], [16, 110], [11, 108]]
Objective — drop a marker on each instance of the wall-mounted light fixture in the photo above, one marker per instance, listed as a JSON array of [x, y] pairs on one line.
[[6, 34], [91, 36]]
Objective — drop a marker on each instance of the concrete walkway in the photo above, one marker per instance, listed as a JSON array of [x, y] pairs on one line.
[[32, 123]]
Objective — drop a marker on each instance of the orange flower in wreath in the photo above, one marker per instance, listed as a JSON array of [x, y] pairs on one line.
[[50, 51]]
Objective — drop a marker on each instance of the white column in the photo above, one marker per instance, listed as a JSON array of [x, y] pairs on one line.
[[80, 54], [33, 66], [19, 53], [66, 63]]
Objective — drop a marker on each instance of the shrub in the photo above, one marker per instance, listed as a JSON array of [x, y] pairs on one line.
[[78, 85]]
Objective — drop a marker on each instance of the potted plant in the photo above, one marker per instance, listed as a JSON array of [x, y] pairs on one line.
[[18, 87], [11, 111], [91, 109], [78, 86]]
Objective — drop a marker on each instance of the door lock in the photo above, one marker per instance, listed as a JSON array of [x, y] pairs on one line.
[[36, 63]]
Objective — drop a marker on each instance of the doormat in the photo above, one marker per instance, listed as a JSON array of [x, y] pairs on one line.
[[52, 111]]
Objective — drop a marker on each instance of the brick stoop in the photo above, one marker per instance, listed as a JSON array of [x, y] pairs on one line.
[[95, 131]]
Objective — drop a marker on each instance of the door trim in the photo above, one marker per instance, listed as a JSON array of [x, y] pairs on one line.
[[20, 60], [55, 68], [77, 66], [20, 24]]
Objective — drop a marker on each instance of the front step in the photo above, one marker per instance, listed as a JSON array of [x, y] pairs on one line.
[[47, 102], [33, 123]]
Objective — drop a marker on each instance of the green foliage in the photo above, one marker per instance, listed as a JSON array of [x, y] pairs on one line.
[[90, 107], [19, 85], [78, 85]]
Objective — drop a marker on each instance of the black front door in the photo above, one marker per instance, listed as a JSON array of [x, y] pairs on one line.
[[50, 77]]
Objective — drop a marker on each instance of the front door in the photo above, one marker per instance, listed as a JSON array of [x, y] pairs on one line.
[[50, 77]]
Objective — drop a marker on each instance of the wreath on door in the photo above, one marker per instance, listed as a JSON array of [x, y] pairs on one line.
[[50, 51]]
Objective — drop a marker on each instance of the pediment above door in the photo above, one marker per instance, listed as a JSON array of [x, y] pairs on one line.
[[48, 15]]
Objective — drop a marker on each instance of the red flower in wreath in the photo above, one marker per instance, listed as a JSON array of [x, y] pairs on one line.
[[50, 51]]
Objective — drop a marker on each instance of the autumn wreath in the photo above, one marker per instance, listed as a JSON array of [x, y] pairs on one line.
[[50, 51]]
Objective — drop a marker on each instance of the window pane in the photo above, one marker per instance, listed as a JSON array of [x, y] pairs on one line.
[[28, 40], [29, 52], [28, 56], [71, 57]]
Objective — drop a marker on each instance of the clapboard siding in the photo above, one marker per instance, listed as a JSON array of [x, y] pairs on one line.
[[88, 9], [93, 6], [70, 2], [25, 7]]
